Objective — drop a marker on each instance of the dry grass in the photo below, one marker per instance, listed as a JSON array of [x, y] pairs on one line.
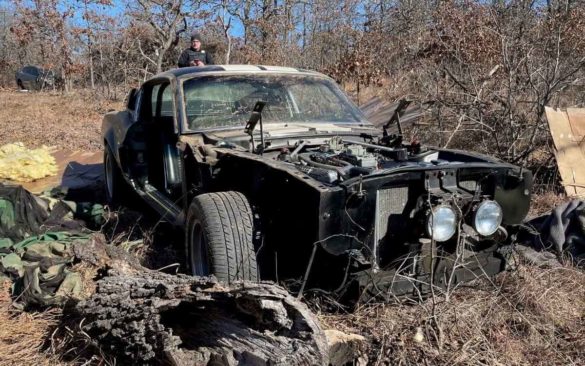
[[23, 336], [70, 121], [528, 317], [542, 204]]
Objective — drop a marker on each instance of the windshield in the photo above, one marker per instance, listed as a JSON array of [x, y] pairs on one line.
[[227, 101]]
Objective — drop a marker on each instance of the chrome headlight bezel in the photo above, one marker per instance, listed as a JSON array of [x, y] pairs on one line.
[[441, 223], [487, 218]]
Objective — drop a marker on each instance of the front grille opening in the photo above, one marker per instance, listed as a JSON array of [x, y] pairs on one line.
[[468, 185], [390, 206]]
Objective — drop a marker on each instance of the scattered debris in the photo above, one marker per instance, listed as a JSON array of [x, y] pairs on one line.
[[41, 269]]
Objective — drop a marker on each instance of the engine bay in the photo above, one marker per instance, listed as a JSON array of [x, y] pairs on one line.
[[340, 159]]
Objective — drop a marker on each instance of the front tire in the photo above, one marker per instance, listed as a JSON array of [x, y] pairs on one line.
[[220, 237]]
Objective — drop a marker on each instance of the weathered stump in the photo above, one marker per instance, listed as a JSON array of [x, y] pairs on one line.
[[144, 316]]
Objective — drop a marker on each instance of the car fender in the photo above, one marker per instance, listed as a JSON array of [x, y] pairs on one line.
[[115, 125]]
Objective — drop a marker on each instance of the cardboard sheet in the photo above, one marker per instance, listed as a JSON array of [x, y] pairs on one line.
[[568, 132]]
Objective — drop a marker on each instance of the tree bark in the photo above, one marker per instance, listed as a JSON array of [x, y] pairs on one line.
[[149, 317]]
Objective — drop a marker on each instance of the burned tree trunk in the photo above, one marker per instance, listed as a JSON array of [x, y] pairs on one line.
[[144, 316]]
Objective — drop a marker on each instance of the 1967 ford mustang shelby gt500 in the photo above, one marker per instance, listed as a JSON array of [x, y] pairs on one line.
[[274, 173]]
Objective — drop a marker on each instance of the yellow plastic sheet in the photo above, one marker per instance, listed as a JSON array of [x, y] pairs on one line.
[[20, 164]]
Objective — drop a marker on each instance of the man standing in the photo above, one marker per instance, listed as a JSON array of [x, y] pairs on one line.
[[194, 55]]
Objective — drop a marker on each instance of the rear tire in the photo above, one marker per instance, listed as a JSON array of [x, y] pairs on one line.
[[220, 237], [20, 85]]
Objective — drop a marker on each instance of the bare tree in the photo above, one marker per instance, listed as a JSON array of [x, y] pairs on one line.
[[165, 17], [226, 25]]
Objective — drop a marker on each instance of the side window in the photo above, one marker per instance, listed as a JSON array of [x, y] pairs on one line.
[[131, 99], [138, 104], [154, 99], [33, 71], [162, 100]]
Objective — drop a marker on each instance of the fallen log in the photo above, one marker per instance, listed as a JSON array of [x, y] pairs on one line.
[[143, 316]]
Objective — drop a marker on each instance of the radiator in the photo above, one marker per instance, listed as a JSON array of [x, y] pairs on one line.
[[390, 201], [469, 185]]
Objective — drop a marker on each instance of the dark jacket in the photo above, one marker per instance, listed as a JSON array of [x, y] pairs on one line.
[[190, 54]]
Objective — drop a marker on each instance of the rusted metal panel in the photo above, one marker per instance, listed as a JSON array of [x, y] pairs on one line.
[[378, 112]]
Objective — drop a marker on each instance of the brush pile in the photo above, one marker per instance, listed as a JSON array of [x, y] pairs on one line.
[[531, 316]]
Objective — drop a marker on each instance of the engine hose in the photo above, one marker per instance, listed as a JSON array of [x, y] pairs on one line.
[[343, 171]]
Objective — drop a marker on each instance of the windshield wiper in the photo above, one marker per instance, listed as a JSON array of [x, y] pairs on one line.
[[255, 118]]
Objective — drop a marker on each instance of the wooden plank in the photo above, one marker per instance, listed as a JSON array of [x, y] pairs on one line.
[[570, 157]]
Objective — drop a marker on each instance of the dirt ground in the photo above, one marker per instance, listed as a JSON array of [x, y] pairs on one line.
[[529, 316], [70, 122]]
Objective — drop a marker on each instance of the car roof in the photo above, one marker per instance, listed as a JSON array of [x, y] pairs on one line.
[[186, 72]]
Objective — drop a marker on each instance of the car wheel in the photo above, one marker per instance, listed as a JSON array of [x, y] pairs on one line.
[[20, 85], [115, 183], [220, 237]]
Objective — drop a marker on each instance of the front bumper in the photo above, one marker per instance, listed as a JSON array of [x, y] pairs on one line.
[[443, 273]]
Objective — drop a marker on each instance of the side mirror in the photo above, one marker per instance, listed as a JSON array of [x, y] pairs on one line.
[[131, 99]]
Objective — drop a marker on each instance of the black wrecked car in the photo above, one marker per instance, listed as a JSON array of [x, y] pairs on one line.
[[275, 174], [36, 78]]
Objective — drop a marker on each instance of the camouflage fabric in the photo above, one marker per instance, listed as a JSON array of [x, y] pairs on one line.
[[40, 267], [91, 213], [21, 215], [38, 260]]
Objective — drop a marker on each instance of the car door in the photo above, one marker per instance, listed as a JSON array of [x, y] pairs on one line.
[[24, 77], [164, 123]]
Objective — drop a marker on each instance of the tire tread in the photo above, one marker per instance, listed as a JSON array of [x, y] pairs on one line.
[[226, 219]]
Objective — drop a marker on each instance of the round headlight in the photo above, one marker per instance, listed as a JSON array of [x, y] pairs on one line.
[[488, 218], [442, 223]]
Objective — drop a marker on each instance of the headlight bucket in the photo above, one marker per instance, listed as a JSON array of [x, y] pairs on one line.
[[487, 218], [442, 223]]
